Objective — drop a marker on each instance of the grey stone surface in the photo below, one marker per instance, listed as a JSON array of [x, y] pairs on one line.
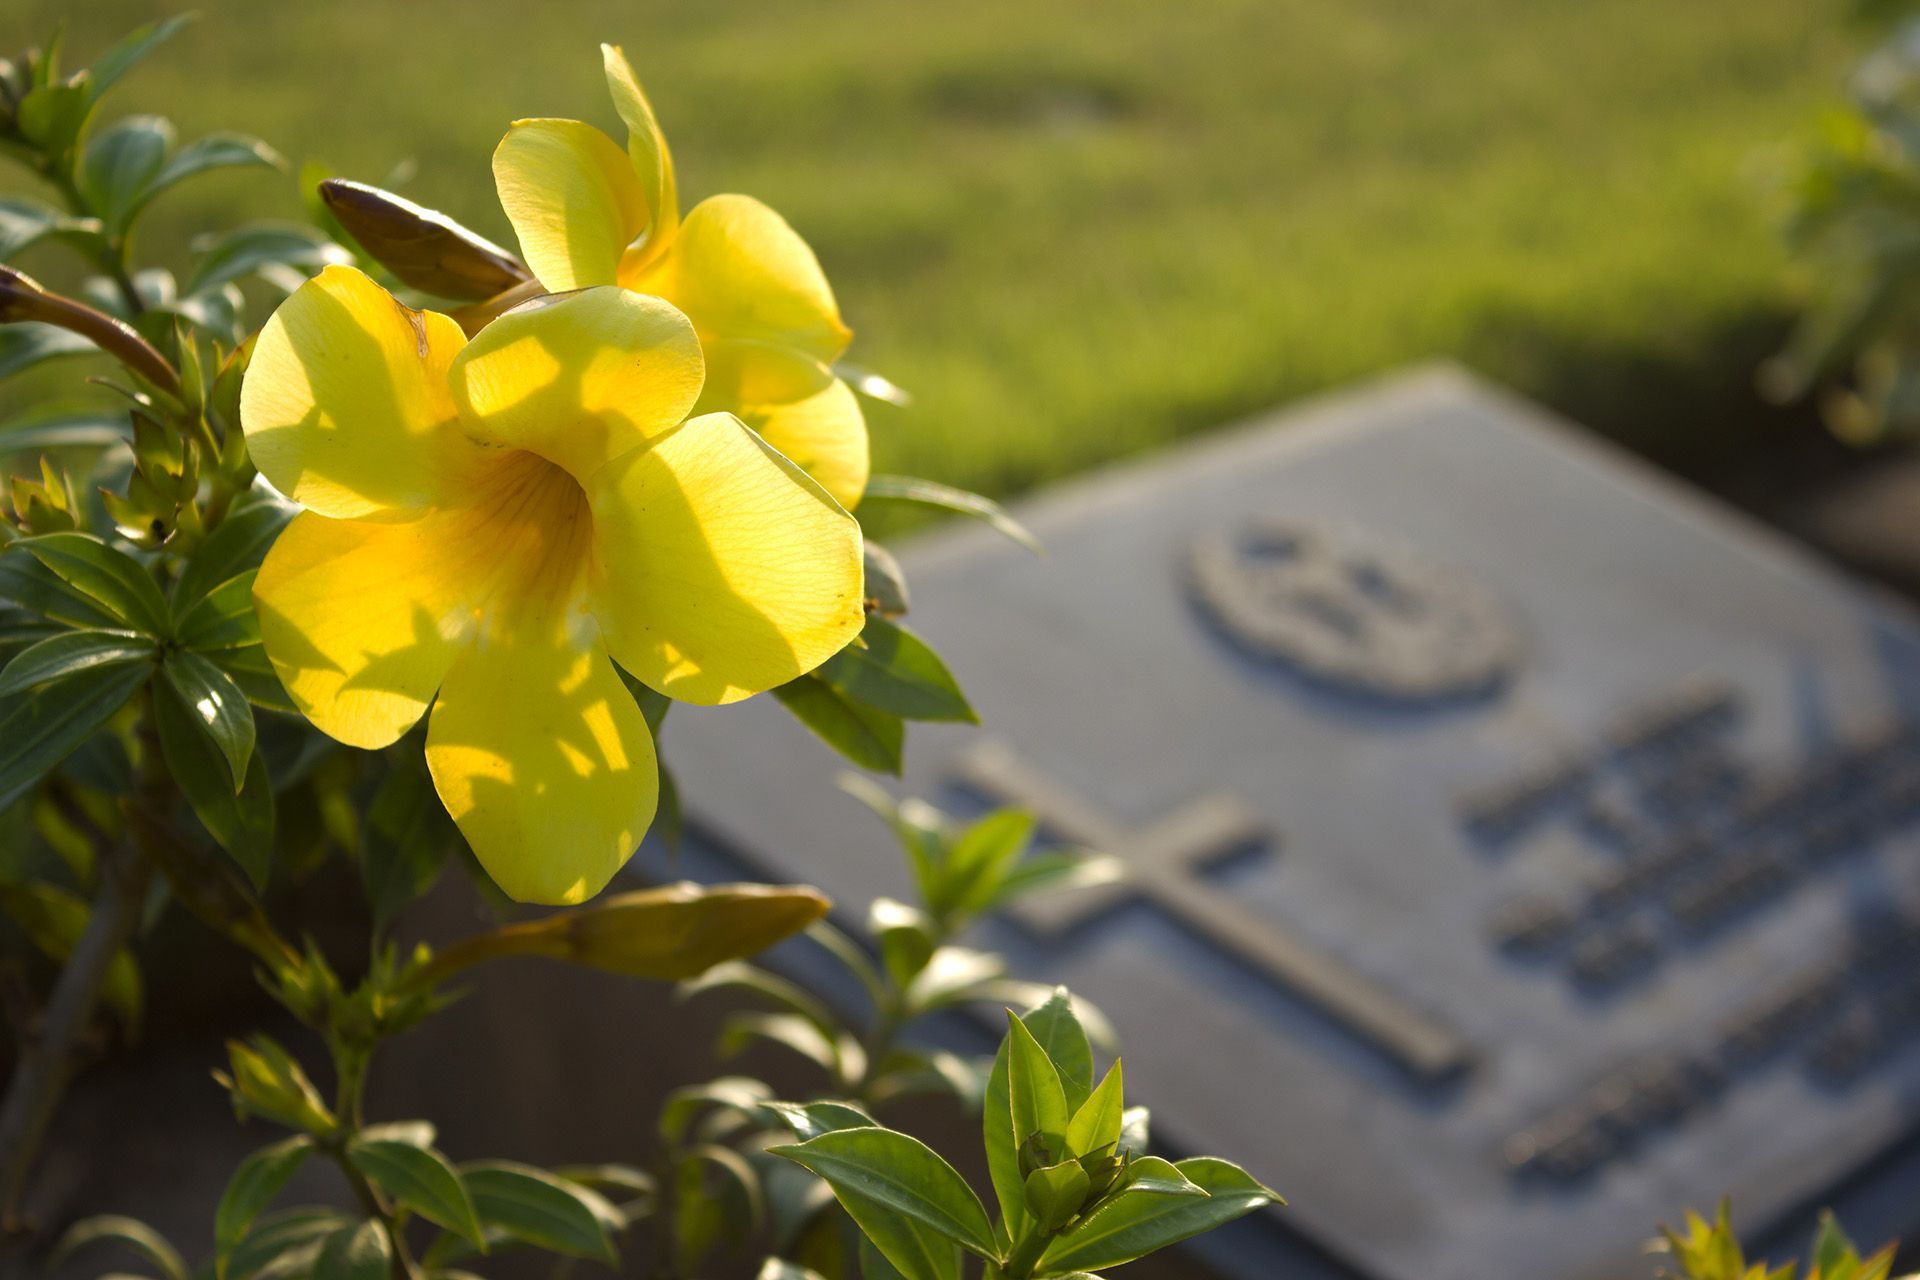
[[1487, 983]]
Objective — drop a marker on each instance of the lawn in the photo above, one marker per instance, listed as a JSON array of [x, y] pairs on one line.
[[1078, 230]]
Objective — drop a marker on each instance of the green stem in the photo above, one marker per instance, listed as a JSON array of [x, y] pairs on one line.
[[351, 1063], [1025, 1255], [115, 264]]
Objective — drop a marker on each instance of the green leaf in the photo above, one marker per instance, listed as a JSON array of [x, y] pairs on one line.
[[62, 429], [1056, 1193], [1055, 870], [40, 729], [892, 669], [870, 737], [240, 821], [536, 1208], [418, 1178], [1136, 1223], [906, 937], [52, 115], [135, 45], [954, 975], [355, 1252], [105, 575], [738, 975], [978, 861], [787, 1030], [1096, 1125], [26, 343], [1134, 1128], [262, 247], [283, 1243], [902, 1177], [217, 706], [53, 920], [120, 165], [735, 1093], [947, 498], [129, 1233], [223, 619], [251, 1189], [886, 582], [1038, 1102], [25, 223], [236, 545], [69, 652], [1057, 1028], [215, 151], [1161, 1177], [808, 1120]]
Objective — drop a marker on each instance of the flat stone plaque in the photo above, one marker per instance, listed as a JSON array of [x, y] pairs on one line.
[[1523, 850]]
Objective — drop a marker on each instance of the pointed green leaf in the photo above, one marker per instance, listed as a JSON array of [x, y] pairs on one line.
[[26, 343], [357, 1252], [1058, 1029], [1160, 1177], [217, 706], [931, 494], [223, 619], [284, 1242], [131, 48], [1096, 1125], [979, 860], [892, 669], [1136, 1223], [868, 736], [108, 577], [240, 821], [215, 151], [40, 729], [120, 164], [533, 1206], [901, 1175], [251, 1189], [1033, 1088], [809, 1120], [69, 652], [128, 1233], [418, 1177]]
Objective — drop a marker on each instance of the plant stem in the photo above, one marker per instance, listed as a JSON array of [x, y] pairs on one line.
[[350, 1064], [116, 264], [1026, 1253], [46, 1061]]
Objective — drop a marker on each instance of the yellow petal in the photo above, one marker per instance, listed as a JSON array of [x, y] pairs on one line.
[[345, 402], [741, 272], [796, 405], [572, 197], [580, 377], [539, 752], [647, 149], [719, 568], [363, 618]]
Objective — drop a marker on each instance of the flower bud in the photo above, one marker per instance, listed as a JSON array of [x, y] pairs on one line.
[[425, 249]]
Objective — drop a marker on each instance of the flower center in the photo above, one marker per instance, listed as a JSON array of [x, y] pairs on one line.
[[538, 529]]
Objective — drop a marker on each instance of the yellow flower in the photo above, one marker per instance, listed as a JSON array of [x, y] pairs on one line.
[[489, 525], [589, 213]]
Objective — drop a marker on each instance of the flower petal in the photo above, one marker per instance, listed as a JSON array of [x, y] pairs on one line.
[[796, 405], [362, 618], [539, 752], [719, 568], [572, 197], [345, 401], [646, 148], [579, 378], [741, 272]]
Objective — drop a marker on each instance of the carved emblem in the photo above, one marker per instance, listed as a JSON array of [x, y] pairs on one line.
[[1368, 618]]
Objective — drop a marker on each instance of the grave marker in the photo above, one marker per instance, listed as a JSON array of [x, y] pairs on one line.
[[1523, 850]]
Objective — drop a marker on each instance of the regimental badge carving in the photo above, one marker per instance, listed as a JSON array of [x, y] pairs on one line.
[[1362, 616]]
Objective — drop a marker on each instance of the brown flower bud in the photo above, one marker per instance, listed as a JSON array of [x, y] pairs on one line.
[[424, 248]]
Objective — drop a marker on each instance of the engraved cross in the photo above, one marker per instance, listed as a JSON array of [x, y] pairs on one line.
[[1164, 862]]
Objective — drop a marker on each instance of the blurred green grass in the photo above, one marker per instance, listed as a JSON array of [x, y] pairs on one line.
[[1079, 229]]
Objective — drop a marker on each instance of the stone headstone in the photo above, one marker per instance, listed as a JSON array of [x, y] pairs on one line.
[[1522, 849]]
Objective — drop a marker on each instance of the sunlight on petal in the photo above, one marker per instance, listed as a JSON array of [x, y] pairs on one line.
[[573, 199]]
